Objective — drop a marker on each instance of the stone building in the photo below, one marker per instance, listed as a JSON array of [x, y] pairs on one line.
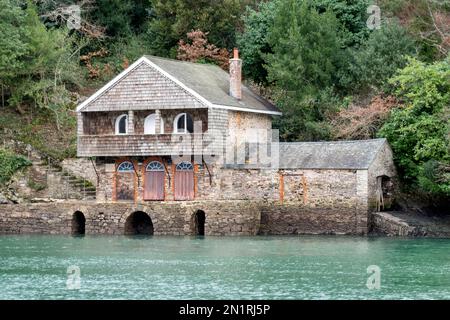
[[166, 133]]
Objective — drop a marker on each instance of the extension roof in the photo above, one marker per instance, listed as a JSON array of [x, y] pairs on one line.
[[356, 154]]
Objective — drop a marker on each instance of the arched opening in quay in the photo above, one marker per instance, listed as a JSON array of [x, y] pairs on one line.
[[139, 223], [199, 223], [78, 223]]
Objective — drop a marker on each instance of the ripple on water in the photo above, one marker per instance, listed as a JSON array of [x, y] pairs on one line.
[[303, 267]]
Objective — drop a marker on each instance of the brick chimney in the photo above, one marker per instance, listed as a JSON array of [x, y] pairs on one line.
[[236, 75]]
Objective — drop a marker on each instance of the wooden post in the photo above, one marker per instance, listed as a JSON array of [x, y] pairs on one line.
[[158, 122], [130, 122]]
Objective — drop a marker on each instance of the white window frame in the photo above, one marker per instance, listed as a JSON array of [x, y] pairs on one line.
[[161, 130], [128, 165], [175, 123], [117, 124], [185, 166], [154, 166]]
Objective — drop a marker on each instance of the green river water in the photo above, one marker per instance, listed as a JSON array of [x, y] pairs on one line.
[[300, 267]]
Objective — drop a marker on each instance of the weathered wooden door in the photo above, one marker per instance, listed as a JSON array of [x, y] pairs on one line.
[[184, 181], [154, 181], [125, 181]]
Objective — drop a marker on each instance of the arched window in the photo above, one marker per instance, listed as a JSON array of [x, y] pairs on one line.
[[125, 166], [154, 166], [150, 124], [185, 166], [183, 123], [122, 124]]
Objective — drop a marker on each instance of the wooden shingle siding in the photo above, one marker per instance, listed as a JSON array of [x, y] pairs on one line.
[[143, 89], [139, 145]]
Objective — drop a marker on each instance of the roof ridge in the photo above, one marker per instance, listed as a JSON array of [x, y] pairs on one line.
[[335, 141], [186, 62]]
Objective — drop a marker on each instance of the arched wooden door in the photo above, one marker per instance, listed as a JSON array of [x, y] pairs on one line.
[[125, 181], [154, 181], [184, 181]]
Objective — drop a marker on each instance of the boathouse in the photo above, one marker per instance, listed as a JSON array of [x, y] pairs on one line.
[[186, 148]]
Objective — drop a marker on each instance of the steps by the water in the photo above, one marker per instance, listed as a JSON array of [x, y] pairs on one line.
[[71, 186]]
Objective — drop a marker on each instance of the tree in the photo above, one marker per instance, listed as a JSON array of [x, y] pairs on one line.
[[171, 20], [114, 15], [306, 53], [377, 60], [253, 41], [12, 46], [352, 14], [362, 121], [46, 69], [418, 131], [202, 51]]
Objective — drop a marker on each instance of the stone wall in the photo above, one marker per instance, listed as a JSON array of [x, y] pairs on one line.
[[284, 219], [246, 127], [329, 201], [168, 218], [81, 167], [40, 181], [382, 165], [177, 218], [315, 188]]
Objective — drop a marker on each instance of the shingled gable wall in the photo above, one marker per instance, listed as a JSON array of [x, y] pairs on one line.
[[143, 88]]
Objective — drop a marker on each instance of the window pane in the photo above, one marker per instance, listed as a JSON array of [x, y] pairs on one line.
[[190, 124], [123, 125], [180, 123]]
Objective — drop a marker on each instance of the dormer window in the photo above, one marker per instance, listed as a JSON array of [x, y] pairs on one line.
[[183, 123], [122, 124]]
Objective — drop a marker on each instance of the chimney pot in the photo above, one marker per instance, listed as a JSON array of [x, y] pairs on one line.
[[235, 53]]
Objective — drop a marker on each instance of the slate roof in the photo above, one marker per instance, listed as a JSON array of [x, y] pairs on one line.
[[357, 154], [212, 83]]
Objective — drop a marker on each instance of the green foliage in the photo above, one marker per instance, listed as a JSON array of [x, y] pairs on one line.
[[128, 48], [173, 19], [377, 60], [36, 186], [46, 69], [12, 46], [9, 164], [121, 17], [40, 133], [352, 15], [306, 53], [253, 43], [419, 131]]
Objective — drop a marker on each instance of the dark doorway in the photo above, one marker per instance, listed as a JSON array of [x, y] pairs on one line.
[[199, 223], [139, 223], [78, 223], [384, 193]]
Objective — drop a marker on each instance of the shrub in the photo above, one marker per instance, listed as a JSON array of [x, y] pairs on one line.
[[418, 131], [9, 164]]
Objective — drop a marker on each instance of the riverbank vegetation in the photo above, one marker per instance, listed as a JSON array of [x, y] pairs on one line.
[[327, 64]]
